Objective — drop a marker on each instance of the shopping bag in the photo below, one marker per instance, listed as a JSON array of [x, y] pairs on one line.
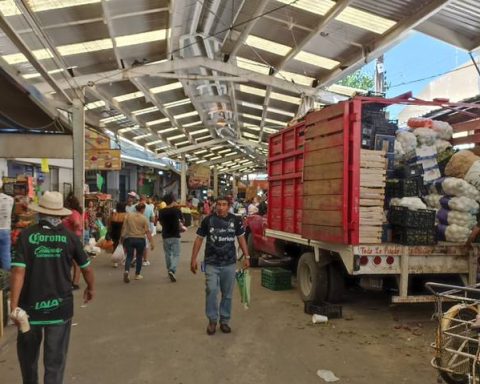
[[243, 281], [118, 255]]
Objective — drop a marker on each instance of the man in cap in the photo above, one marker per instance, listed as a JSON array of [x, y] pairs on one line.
[[41, 286], [6, 206]]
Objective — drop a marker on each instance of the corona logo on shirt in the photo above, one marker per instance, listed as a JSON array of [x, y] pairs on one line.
[[48, 304], [46, 252], [37, 238]]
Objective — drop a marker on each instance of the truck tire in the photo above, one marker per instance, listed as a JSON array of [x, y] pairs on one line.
[[254, 255], [312, 280], [336, 283]]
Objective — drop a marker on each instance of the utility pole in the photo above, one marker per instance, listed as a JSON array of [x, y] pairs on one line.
[[380, 75]]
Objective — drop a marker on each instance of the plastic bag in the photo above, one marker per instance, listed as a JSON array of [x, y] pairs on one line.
[[419, 122], [119, 254], [243, 280]]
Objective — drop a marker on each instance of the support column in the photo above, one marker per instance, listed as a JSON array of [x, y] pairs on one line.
[[183, 182], [113, 184], [234, 187], [78, 127], [215, 182]]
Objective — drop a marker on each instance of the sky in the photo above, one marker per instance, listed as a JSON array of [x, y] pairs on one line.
[[417, 57]]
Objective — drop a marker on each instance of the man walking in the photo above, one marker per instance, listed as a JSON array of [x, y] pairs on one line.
[[220, 229], [6, 206], [170, 219], [41, 285]]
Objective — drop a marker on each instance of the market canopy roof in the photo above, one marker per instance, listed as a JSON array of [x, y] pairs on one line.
[[209, 80]]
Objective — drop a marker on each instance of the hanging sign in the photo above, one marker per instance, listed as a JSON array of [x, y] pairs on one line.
[[103, 159]]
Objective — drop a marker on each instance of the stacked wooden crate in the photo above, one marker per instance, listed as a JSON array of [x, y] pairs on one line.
[[373, 166]]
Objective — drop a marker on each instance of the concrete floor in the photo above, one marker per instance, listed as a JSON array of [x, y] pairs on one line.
[[153, 331]]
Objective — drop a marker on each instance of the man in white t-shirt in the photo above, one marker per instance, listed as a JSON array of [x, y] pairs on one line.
[[6, 206]]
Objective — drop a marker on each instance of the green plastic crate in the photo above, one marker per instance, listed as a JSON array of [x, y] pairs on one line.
[[276, 279]]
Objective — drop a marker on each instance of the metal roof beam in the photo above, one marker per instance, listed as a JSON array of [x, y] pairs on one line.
[[189, 148], [448, 35], [225, 159], [380, 45]]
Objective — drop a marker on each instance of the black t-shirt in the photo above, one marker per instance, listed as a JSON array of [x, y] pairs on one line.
[[46, 252], [170, 220], [220, 233]]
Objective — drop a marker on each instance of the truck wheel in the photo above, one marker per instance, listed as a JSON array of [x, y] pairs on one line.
[[336, 283], [312, 279], [254, 255]]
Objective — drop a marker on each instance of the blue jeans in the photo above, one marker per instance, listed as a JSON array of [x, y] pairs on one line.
[[5, 249], [55, 347], [171, 247], [219, 279], [134, 245]]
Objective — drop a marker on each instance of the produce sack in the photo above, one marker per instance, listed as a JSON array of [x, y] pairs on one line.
[[444, 130], [425, 136], [419, 122], [453, 233], [407, 141], [460, 163], [462, 219], [473, 175], [412, 203], [453, 186], [461, 203]]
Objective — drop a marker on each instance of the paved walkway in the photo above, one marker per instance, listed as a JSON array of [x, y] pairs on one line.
[[153, 331]]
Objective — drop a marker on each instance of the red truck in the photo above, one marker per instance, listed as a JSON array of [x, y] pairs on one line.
[[317, 221]]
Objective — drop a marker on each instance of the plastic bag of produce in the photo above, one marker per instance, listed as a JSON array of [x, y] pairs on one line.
[[408, 141], [412, 203], [444, 130], [419, 122], [453, 233], [453, 186], [462, 219], [461, 203], [442, 145], [460, 163]]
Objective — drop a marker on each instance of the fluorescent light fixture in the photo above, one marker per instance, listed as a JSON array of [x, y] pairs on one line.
[[141, 38], [176, 137], [154, 142], [200, 161], [129, 129], [95, 104], [167, 130], [253, 117], [144, 111], [318, 61], [184, 115], [252, 65], [191, 124], [166, 88], [183, 143], [349, 15], [269, 130], [159, 121], [276, 122], [295, 77], [177, 103], [142, 136], [215, 158], [8, 7], [128, 96], [260, 108], [209, 155], [200, 152], [204, 137], [252, 90], [216, 147], [249, 135], [199, 131], [267, 45], [90, 46], [28, 76], [252, 127], [287, 99], [112, 119], [224, 151]]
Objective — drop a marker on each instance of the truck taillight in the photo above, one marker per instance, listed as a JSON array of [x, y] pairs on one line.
[[363, 260], [390, 260], [377, 260]]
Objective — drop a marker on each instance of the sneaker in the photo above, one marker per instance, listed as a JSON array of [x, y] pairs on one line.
[[211, 328], [172, 276], [225, 328], [115, 265], [126, 277], [146, 263], [138, 277]]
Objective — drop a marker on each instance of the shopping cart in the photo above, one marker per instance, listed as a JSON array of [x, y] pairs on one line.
[[457, 341]]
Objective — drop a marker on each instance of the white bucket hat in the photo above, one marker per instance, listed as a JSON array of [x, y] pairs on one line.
[[51, 203]]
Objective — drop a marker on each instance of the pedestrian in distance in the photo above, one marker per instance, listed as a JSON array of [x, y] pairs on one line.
[[171, 219], [41, 286], [134, 230], [74, 223], [220, 229]]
